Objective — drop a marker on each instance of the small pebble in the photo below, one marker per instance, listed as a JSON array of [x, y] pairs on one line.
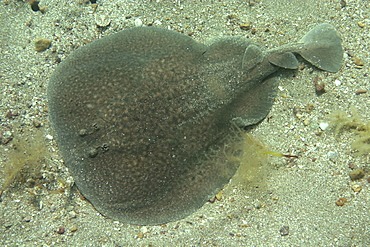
[[319, 87], [36, 123], [337, 82], [138, 23], [140, 235], [34, 5], [7, 225], [219, 195], [74, 228], [72, 214], [356, 174], [361, 24], [144, 229], [361, 91], [49, 137], [284, 231], [27, 219], [61, 230], [157, 23], [332, 155], [42, 44], [212, 199], [358, 61], [245, 27]]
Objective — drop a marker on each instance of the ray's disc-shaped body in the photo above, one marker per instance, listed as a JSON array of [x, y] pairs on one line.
[[142, 117], [134, 119]]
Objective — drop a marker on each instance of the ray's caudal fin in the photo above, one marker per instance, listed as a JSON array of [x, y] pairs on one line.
[[321, 47]]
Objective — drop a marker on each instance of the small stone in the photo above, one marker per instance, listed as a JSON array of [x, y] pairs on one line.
[[358, 61], [27, 219], [332, 155], [245, 27], [212, 199], [219, 195], [61, 230], [49, 137], [144, 229], [72, 214], [319, 87], [74, 228], [360, 91], [7, 225], [284, 231], [140, 235], [42, 44], [34, 5], [36, 123], [138, 23], [356, 174], [361, 24], [337, 82], [343, 3], [157, 23], [6, 137]]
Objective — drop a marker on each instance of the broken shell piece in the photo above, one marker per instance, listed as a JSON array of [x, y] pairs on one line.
[[138, 23], [356, 188], [323, 126], [102, 20]]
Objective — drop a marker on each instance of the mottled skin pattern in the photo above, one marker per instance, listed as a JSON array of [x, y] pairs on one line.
[[134, 120], [143, 118]]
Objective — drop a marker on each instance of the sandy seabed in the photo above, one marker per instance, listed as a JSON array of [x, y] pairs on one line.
[[291, 203]]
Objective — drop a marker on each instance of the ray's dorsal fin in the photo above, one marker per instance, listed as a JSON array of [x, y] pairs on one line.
[[322, 48], [253, 55]]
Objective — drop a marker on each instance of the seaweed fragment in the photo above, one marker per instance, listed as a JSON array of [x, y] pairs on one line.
[[341, 122], [253, 156], [24, 158]]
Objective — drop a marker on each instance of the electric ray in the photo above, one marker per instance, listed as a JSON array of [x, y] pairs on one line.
[[143, 117]]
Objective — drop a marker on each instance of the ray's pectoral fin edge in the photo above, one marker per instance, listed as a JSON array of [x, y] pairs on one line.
[[256, 103]]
